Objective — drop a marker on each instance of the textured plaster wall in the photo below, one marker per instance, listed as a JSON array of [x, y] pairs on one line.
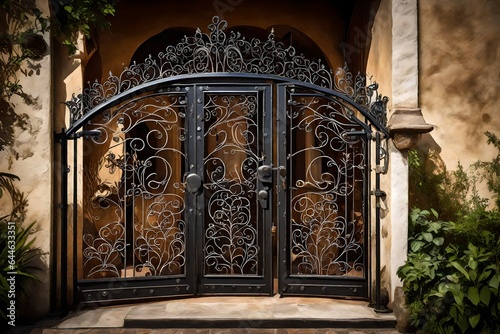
[[30, 157], [379, 57], [460, 76]]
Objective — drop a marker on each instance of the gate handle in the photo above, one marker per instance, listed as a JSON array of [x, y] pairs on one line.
[[193, 183], [265, 174]]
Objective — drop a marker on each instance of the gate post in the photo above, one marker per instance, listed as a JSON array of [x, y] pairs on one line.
[[405, 100]]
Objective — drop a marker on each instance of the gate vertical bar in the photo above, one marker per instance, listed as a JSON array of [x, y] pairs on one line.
[[54, 278], [75, 221], [192, 218], [377, 223], [378, 195], [64, 221], [368, 212], [281, 220]]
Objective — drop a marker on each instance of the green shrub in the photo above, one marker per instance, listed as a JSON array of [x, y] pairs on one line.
[[489, 171], [23, 256], [17, 253], [452, 287]]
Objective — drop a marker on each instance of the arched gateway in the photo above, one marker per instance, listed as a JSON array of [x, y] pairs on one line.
[[220, 165]]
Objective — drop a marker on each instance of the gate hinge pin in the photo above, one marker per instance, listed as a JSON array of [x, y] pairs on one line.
[[379, 193]]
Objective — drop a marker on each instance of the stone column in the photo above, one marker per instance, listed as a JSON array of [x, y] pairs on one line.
[[404, 95]]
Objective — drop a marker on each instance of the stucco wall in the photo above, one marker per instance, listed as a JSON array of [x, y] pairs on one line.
[[460, 76], [30, 158]]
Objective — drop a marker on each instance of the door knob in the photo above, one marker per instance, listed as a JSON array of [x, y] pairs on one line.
[[193, 183], [265, 174]]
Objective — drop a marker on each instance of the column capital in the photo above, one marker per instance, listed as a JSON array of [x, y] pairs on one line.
[[406, 126]]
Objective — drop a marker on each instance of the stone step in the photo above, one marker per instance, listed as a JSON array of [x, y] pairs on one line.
[[232, 312]]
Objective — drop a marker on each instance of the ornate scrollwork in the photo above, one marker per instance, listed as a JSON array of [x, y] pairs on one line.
[[328, 172], [219, 51], [133, 199], [231, 161]]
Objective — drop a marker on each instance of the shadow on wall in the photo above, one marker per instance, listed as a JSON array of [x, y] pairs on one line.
[[452, 193]]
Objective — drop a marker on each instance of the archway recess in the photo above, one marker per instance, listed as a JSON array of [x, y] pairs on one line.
[[199, 155]]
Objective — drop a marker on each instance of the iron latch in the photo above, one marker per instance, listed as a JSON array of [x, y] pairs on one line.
[[264, 199]]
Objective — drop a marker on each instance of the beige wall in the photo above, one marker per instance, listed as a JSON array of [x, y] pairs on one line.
[[381, 50], [30, 158], [460, 76]]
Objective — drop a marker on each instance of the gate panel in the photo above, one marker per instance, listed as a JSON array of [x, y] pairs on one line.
[[235, 228], [134, 200], [322, 222]]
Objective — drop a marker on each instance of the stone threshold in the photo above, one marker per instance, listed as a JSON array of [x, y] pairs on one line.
[[233, 312]]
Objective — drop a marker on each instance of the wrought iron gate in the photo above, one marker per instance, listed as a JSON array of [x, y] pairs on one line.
[[323, 231], [191, 184]]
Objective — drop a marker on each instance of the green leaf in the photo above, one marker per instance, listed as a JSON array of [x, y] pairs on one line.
[[454, 313], [460, 268], [416, 246], [434, 213], [473, 295], [494, 283], [438, 241], [434, 226], [474, 320], [485, 295], [472, 263], [69, 9], [427, 236], [472, 275], [484, 275], [473, 249]]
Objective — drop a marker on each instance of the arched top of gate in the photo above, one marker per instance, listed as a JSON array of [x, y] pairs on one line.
[[221, 52]]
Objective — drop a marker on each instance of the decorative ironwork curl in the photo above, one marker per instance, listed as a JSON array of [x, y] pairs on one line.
[[231, 235], [218, 51], [134, 202], [328, 171]]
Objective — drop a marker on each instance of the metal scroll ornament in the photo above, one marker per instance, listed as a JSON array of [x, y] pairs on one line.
[[328, 172], [226, 52], [133, 199], [231, 161]]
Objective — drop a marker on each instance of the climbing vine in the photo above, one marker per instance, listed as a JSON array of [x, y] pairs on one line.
[[73, 16]]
